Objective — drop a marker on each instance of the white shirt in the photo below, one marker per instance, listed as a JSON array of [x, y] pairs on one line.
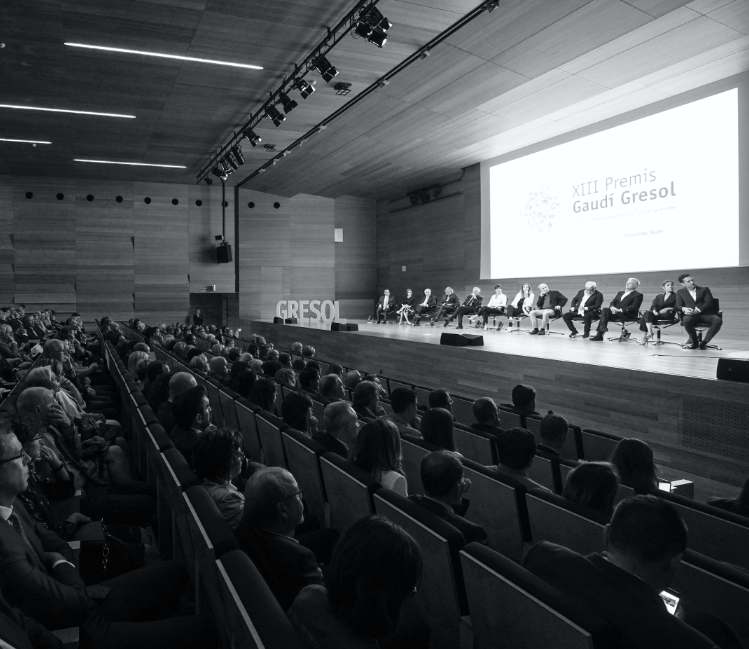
[[693, 293], [581, 308], [426, 300], [497, 301], [385, 301]]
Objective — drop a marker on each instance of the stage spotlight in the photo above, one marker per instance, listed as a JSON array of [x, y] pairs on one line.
[[253, 137], [275, 115], [323, 66], [208, 181], [219, 172], [378, 38], [373, 26], [287, 103], [492, 6], [236, 151], [305, 89], [342, 88], [229, 160]]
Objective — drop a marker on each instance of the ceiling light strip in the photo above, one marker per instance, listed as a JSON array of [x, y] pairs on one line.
[[5, 139], [131, 164], [65, 110], [192, 59]]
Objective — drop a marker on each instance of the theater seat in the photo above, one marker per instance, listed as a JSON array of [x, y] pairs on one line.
[[597, 445], [269, 429], [228, 398], [248, 427], [217, 413], [349, 491], [462, 410], [570, 450], [302, 454], [476, 445], [414, 449], [212, 526]]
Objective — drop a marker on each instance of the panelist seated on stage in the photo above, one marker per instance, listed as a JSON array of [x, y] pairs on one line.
[[549, 304], [497, 306], [385, 306], [522, 304], [625, 307], [662, 308], [406, 307], [427, 306], [697, 308], [586, 305], [471, 305], [448, 306]]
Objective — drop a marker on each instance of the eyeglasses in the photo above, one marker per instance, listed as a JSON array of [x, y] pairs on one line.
[[21, 456], [298, 493]]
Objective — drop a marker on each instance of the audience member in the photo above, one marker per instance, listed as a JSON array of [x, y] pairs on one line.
[[441, 399], [593, 485], [341, 428], [524, 400], [298, 364], [296, 348], [487, 416], [331, 389], [244, 383], [309, 381], [199, 362], [286, 376], [297, 413], [378, 452], [516, 448], [285, 360], [192, 415], [308, 351], [366, 399], [738, 505], [437, 428], [554, 429], [179, 382], [404, 403], [633, 459], [218, 369], [263, 394], [352, 379], [335, 368]]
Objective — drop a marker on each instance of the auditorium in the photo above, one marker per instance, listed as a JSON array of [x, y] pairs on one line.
[[454, 292]]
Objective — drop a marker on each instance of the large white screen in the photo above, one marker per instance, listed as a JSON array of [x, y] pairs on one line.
[[657, 193]]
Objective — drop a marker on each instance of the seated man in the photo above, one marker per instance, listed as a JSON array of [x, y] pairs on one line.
[[554, 430], [644, 544], [308, 351], [444, 486], [366, 400], [471, 305], [623, 308], [192, 415], [296, 348], [352, 379], [487, 416], [441, 399], [218, 369], [516, 448], [341, 428], [404, 403], [697, 307], [427, 306], [309, 381], [549, 304], [523, 400], [272, 363], [331, 389], [497, 306], [179, 382], [273, 509], [385, 306], [586, 305], [450, 302]]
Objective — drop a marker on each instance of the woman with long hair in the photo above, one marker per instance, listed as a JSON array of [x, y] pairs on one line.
[[263, 394], [633, 459], [378, 452], [522, 304], [593, 485], [437, 428]]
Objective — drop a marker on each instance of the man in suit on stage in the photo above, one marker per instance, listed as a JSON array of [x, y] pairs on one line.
[[450, 302], [624, 308], [697, 308], [444, 485], [549, 304], [385, 306], [425, 307], [586, 305], [471, 305]]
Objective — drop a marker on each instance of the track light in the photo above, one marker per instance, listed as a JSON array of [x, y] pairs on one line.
[[253, 137], [492, 6], [236, 151], [208, 181], [342, 88], [305, 89], [425, 54], [219, 172], [287, 103], [323, 66], [229, 160], [373, 26], [276, 117]]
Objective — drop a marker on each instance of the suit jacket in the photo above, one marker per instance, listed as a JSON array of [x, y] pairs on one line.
[[630, 304], [704, 302], [450, 300], [184, 441], [551, 300], [635, 611], [165, 416], [593, 303], [23, 632], [55, 598], [409, 301], [473, 301], [332, 444], [432, 301], [471, 532], [660, 302], [391, 302], [286, 566]]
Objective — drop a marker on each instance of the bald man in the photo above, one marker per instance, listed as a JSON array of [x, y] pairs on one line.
[[625, 307], [586, 305], [179, 383]]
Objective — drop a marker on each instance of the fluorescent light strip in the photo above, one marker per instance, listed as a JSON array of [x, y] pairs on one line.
[[5, 139], [164, 56], [132, 164], [64, 110]]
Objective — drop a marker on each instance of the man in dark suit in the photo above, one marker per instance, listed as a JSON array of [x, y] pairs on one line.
[[273, 509], [385, 306], [179, 382], [471, 305], [644, 543], [623, 308], [192, 415], [586, 305], [21, 632], [444, 485], [450, 302], [697, 308], [487, 416], [341, 428], [425, 307], [549, 304]]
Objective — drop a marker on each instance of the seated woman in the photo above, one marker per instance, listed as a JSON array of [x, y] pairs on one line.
[[633, 459], [375, 569], [662, 308], [378, 452], [522, 304], [406, 308], [297, 413], [497, 306], [199, 362], [263, 394], [593, 485], [437, 428], [286, 376], [218, 458]]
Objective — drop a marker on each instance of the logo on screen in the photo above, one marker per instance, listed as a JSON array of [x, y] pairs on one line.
[[541, 209]]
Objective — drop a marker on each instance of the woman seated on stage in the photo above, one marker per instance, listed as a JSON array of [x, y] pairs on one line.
[[662, 308], [633, 459], [522, 304], [406, 308], [378, 452], [497, 306]]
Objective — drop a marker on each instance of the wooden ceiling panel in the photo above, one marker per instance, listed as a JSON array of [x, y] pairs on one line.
[[715, 70], [734, 15], [658, 8], [706, 6]]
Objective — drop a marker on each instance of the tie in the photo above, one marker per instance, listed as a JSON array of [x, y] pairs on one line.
[[16, 523]]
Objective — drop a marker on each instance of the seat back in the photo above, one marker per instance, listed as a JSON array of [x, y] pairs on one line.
[[349, 491], [422, 396], [228, 398], [318, 409], [281, 392], [248, 427], [509, 419], [476, 445], [442, 592], [543, 471], [511, 607], [269, 431], [556, 519], [414, 449], [569, 450], [462, 410], [392, 384], [498, 505], [623, 492], [217, 414], [302, 454], [597, 445]]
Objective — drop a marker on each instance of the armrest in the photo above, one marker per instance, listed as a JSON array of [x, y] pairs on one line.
[[75, 546], [69, 636]]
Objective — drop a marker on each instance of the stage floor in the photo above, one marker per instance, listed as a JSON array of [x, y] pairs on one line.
[[664, 359]]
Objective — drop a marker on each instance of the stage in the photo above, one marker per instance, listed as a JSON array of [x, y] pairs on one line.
[[663, 394]]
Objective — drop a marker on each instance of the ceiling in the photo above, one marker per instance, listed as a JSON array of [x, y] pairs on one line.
[[531, 70]]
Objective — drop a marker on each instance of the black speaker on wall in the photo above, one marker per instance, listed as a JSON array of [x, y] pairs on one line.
[[461, 340], [733, 369], [223, 253], [340, 326]]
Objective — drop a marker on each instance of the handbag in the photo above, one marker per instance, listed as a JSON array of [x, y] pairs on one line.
[[110, 557]]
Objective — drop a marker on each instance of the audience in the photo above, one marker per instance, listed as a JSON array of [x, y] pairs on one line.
[[516, 449], [179, 382], [309, 381], [286, 376], [487, 416], [378, 452], [297, 413], [331, 389], [437, 428], [218, 370], [263, 394], [366, 400], [523, 400], [352, 379], [633, 459], [404, 403], [199, 362], [593, 485], [244, 383], [441, 399], [341, 428], [335, 368], [554, 429], [192, 415]]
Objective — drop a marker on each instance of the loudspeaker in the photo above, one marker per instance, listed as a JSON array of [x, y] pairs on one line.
[[461, 340], [340, 326], [277, 320], [733, 369], [291, 321], [223, 254]]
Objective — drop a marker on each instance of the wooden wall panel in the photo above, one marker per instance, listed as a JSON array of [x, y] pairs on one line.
[[356, 256], [7, 253]]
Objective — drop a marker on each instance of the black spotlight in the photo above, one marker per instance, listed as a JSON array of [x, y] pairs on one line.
[[323, 66], [492, 6], [236, 151], [373, 26], [229, 160], [253, 137], [276, 117], [208, 181], [305, 89], [287, 102], [219, 172]]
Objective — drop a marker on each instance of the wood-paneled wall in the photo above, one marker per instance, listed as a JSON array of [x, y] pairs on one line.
[[439, 243]]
